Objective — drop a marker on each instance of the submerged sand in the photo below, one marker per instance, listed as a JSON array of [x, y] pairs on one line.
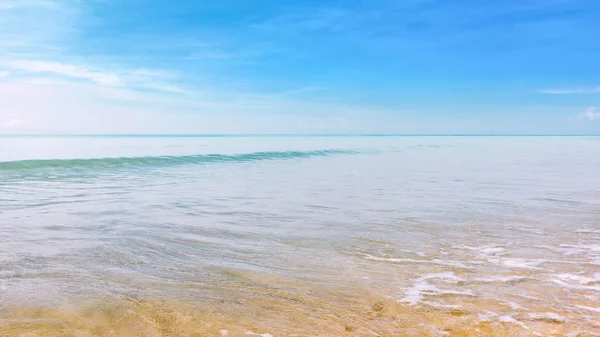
[[256, 305]]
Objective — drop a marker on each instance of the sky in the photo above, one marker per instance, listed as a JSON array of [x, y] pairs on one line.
[[249, 66]]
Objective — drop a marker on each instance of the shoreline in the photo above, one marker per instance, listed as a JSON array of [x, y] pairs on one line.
[[268, 306]]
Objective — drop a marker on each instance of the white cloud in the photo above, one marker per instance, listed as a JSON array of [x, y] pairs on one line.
[[3, 74], [99, 77], [13, 123], [591, 114], [68, 107], [37, 27], [164, 87], [14, 4], [571, 91], [308, 89], [139, 79]]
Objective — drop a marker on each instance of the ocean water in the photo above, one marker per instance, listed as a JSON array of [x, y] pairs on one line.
[[299, 236]]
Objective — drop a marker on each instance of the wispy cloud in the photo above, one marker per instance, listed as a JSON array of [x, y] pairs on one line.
[[13, 123], [590, 114], [137, 79], [571, 91], [308, 89], [73, 65], [15, 4], [68, 70], [33, 26], [310, 20], [67, 107]]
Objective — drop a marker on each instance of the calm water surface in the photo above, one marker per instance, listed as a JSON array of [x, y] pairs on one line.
[[282, 236]]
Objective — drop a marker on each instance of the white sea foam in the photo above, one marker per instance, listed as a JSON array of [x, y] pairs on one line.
[[442, 305], [493, 254], [589, 308], [421, 254], [546, 316], [519, 263], [577, 287], [584, 280], [224, 332], [531, 230], [515, 306], [528, 297], [579, 282], [415, 294], [512, 320], [258, 334], [492, 250], [392, 259], [450, 263], [500, 279], [486, 316], [484, 250], [588, 230], [422, 287], [580, 249], [578, 333]]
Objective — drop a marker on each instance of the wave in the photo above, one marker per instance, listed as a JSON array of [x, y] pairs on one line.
[[122, 162]]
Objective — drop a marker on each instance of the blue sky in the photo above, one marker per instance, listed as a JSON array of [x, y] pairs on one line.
[[378, 66]]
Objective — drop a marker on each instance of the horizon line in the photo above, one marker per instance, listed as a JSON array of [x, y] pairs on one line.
[[297, 135]]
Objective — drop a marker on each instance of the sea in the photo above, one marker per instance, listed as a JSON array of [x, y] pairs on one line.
[[290, 235]]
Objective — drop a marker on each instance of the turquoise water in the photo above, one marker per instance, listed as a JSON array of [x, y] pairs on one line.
[[154, 161], [505, 228]]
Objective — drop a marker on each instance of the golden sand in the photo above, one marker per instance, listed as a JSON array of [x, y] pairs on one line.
[[130, 317], [266, 307]]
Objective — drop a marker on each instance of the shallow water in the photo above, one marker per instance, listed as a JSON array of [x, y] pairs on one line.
[[306, 236]]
